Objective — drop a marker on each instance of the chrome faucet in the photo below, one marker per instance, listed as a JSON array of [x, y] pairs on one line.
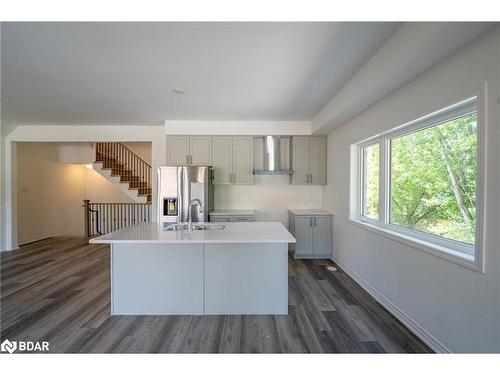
[[194, 202]]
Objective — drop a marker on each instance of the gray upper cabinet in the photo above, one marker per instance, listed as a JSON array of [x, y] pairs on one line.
[[231, 157], [232, 160], [200, 150], [183, 149], [222, 161], [300, 160], [178, 149], [242, 160], [308, 160], [317, 160]]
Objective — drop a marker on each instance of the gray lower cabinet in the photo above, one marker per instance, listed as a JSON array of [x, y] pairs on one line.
[[313, 234], [231, 218]]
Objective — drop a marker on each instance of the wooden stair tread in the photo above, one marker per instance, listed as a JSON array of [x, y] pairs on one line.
[[109, 161]]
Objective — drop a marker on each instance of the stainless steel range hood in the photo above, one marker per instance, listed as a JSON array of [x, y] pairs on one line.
[[272, 157]]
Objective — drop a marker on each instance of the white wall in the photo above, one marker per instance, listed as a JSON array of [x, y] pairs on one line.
[[49, 194], [99, 189], [270, 196], [238, 127], [76, 153], [453, 307], [141, 149], [411, 50], [69, 133]]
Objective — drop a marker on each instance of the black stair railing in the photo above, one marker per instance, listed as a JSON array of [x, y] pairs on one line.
[[128, 165], [101, 218]]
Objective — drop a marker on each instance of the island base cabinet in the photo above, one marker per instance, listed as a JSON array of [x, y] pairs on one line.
[[156, 279], [199, 279], [246, 279]]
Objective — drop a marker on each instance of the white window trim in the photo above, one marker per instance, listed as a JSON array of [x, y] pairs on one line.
[[363, 218], [470, 256]]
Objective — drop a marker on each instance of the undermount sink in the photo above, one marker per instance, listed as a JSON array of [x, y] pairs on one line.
[[185, 226]]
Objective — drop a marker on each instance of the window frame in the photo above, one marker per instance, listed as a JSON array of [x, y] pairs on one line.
[[364, 218], [468, 255]]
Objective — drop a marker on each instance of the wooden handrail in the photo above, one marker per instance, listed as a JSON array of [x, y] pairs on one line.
[[134, 154]]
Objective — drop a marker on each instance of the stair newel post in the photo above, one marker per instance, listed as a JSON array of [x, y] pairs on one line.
[[86, 210]]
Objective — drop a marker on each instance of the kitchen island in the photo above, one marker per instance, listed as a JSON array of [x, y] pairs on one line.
[[240, 269]]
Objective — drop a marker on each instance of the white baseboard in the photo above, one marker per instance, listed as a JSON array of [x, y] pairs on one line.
[[9, 247], [24, 241], [411, 324]]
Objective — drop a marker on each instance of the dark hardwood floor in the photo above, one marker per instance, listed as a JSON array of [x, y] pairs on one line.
[[58, 290]]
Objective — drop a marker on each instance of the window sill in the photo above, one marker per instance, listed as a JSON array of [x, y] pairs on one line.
[[425, 246]]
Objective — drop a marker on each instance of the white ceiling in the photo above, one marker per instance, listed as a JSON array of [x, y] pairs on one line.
[[125, 72]]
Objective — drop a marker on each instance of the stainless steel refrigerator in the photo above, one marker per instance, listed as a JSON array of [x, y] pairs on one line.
[[178, 186]]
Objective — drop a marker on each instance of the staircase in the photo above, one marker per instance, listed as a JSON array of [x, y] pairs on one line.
[[129, 172]]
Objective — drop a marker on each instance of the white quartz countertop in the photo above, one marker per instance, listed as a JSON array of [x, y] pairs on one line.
[[220, 212], [248, 232], [309, 211]]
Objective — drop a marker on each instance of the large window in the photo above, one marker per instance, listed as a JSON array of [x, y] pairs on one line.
[[420, 182], [433, 179]]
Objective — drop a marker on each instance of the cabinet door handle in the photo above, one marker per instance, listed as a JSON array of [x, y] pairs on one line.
[[190, 159], [311, 178], [310, 221], [314, 221]]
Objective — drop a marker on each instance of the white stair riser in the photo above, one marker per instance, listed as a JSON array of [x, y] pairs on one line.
[[123, 187]]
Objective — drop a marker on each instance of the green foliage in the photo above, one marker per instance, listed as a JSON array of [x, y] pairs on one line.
[[433, 179]]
